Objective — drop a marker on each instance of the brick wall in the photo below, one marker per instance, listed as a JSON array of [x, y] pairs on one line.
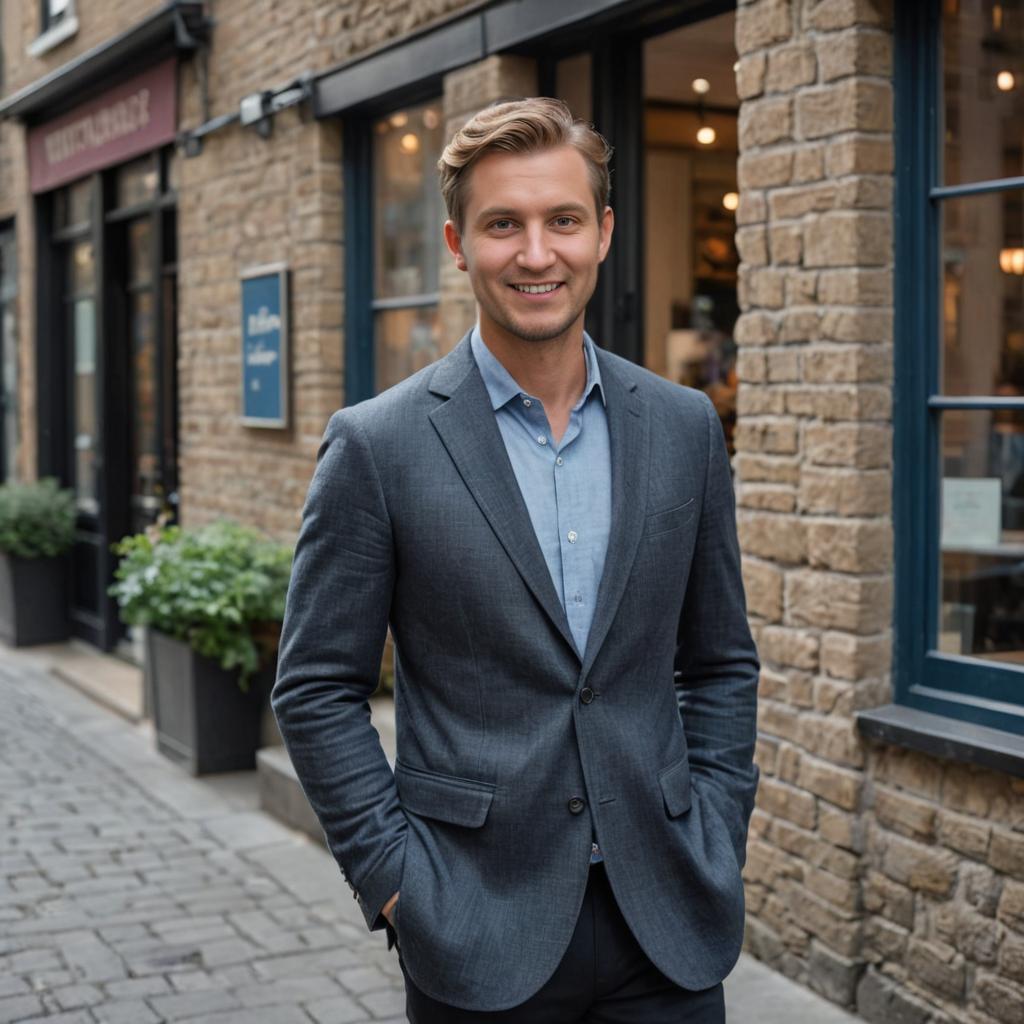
[[884, 879], [246, 201]]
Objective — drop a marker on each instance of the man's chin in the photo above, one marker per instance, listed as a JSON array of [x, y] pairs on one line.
[[538, 332]]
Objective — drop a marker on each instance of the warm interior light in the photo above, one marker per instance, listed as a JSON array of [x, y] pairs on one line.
[[410, 143], [730, 200], [1005, 81], [399, 119], [706, 135], [736, 67], [431, 119], [701, 86], [1011, 261]]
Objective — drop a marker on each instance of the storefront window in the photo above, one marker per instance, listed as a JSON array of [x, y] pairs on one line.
[[959, 483], [138, 182], [407, 240], [9, 348]]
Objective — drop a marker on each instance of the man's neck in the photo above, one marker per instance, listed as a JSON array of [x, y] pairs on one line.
[[554, 371]]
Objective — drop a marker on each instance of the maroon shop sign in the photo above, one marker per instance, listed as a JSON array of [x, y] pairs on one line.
[[133, 118]]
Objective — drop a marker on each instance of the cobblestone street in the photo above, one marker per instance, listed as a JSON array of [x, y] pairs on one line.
[[131, 893]]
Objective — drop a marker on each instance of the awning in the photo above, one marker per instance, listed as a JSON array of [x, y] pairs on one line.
[[177, 27]]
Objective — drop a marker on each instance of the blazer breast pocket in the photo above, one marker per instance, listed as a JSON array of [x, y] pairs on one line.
[[447, 798], [670, 519]]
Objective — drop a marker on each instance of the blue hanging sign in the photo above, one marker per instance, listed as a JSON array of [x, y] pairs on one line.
[[265, 346]]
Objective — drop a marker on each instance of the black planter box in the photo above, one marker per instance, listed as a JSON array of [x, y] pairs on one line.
[[203, 720], [33, 600]]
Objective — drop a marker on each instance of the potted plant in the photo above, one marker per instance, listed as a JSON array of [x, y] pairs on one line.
[[213, 600], [37, 529]]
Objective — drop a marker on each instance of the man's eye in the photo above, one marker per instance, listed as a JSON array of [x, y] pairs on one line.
[[502, 225], [565, 221]]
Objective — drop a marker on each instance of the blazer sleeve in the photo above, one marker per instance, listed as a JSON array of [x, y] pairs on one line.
[[716, 661], [332, 640]]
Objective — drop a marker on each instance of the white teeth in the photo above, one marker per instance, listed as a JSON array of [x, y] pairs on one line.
[[535, 289]]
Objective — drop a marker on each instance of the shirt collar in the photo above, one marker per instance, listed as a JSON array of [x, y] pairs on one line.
[[501, 385]]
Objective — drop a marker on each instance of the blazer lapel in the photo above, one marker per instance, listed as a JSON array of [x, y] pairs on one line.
[[630, 453], [469, 431]]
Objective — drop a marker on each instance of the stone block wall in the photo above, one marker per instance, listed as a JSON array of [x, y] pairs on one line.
[[887, 880]]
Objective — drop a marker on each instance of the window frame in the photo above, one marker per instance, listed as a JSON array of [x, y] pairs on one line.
[[361, 302], [958, 687]]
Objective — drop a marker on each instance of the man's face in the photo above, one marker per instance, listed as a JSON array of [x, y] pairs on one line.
[[531, 242]]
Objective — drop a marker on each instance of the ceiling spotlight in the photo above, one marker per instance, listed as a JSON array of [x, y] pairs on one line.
[[410, 143], [701, 86], [399, 120], [736, 67], [1005, 81], [706, 135], [431, 118], [730, 200]]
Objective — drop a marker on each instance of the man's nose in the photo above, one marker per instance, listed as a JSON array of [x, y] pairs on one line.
[[536, 253]]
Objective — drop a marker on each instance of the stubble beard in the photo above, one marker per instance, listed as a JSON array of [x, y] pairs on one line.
[[508, 322]]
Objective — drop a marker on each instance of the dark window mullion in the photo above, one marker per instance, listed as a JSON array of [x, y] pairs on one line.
[[975, 188], [941, 402]]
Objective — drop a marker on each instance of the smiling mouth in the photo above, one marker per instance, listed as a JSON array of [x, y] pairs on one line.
[[536, 289]]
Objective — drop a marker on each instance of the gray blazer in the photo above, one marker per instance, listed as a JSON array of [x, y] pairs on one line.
[[506, 762]]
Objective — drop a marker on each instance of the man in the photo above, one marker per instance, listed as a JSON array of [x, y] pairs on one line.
[[550, 532]]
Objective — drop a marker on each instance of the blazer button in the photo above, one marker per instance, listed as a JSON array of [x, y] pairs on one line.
[[586, 695], [576, 805]]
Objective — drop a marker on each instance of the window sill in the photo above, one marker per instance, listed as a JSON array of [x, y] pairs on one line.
[[53, 37], [944, 737]]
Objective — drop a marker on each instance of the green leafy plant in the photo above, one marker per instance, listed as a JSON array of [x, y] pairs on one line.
[[37, 519], [220, 588]]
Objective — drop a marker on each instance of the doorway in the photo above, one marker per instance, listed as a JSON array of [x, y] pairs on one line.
[[664, 95], [107, 313]]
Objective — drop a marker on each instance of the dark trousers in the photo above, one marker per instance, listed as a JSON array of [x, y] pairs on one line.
[[604, 978]]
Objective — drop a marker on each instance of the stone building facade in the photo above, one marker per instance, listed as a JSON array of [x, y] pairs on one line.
[[885, 866]]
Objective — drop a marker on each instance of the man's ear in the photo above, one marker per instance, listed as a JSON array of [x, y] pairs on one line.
[[454, 243], [605, 239]]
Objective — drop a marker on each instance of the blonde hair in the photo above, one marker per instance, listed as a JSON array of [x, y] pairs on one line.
[[521, 126]]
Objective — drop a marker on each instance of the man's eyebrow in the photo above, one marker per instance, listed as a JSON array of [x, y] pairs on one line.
[[501, 211]]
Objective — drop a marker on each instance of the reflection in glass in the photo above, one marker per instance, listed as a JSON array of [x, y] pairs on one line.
[[981, 611], [140, 256], [408, 211], [145, 454], [573, 85], [137, 182], [9, 349], [983, 74], [407, 340], [85, 418], [690, 193], [983, 295], [74, 204], [82, 267]]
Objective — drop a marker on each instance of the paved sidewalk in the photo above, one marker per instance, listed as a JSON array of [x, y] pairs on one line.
[[131, 893]]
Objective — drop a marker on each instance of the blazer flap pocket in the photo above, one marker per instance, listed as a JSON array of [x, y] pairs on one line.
[[675, 787], [443, 797], [671, 518]]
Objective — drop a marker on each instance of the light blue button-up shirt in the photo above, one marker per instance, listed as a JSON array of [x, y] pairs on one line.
[[567, 486]]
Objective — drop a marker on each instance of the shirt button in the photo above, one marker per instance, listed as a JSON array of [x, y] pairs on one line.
[[576, 805], [541, 439], [586, 695], [559, 461], [527, 403], [572, 535], [577, 597]]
